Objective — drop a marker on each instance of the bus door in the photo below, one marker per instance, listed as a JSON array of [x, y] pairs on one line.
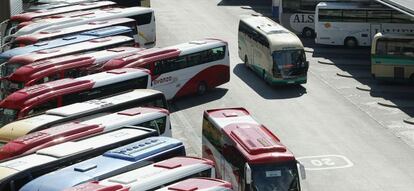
[[375, 28]]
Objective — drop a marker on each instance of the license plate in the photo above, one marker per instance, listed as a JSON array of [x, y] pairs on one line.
[[291, 82]]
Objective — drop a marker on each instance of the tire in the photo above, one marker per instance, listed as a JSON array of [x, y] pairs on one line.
[[351, 42], [202, 88], [308, 33]]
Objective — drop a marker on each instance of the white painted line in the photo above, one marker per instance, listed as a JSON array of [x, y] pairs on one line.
[[325, 162]]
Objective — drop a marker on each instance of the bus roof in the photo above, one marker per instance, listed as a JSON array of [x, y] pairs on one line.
[[170, 51], [351, 6], [85, 36], [109, 164], [45, 68], [45, 91], [82, 17], [62, 114], [200, 184], [46, 34], [28, 16], [253, 140], [278, 36], [69, 49]]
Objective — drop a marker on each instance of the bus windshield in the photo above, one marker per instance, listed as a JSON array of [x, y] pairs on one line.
[[7, 116], [289, 62], [275, 177], [8, 69]]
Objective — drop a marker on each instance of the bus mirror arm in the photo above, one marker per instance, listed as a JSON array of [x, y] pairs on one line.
[[248, 173], [301, 170]]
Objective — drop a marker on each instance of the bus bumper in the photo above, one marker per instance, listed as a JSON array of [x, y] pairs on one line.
[[299, 80]]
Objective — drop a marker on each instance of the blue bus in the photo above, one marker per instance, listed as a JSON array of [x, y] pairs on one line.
[[82, 37], [111, 163], [16, 172]]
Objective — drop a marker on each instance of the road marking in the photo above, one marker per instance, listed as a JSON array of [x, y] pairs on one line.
[[325, 162]]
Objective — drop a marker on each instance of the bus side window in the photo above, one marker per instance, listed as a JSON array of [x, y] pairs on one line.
[[194, 59], [143, 19], [153, 125]]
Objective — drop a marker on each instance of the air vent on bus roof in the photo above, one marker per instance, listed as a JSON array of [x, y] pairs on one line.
[[255, 141], [41, 43], [131, 112], [197, 42], [230, 114], [123, 179], [64, 149]]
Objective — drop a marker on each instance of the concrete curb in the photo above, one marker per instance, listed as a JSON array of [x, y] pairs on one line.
[[364, 88], [347, 75], [326, 62], [309, 50], [387, 103], [409, 121]]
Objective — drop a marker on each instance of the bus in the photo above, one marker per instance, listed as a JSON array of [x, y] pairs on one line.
[[71, 66], [31, 15], [123, 3], [18, 61], [113, 162], [271, 51], [47, 35], [153, 118], [392, 57], [299, 15], [39, 98], [144, 17], [85, 36], [183, 69], [246, 153], [355, 24], [105, 176], [16, 172], [78, 111], [199, 184]]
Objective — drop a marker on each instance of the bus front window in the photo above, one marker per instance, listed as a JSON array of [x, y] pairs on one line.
[[8, 69], [7, 116], [275, 177], [289, 63]]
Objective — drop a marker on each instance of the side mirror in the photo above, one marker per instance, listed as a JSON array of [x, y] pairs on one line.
[[248, 173], [302, 171]]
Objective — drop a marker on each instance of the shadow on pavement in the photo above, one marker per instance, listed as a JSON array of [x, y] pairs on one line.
[[194, 100], [263, 89]]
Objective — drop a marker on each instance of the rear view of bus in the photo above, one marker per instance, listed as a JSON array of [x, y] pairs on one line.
[[273, 52], [246, 153]]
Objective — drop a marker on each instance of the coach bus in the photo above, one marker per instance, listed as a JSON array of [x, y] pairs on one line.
[[39, 98], [355, 24], [299, 15], [183, 69], [47, 35], [392, 57], [111, 163], [246, 153], [16, 172], [144, 17], [79, 111], [18, 61], [150, 177], [198, 184], [72, 66], [153, 118], [273, 52], [124, 3]]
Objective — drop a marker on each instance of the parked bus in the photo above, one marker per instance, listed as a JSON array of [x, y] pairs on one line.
[[39, 98], [355, 24], [79, 111], [50, 6], [18, 61], [124, 3], [246, 153], [392, 57], [72, 66], [273, 52], [145, 178], [183, 69], [144, 18], [31, 15], [16, 172], [299, 15], [153, 118], [111, 163], [47, 35], [199, 184]]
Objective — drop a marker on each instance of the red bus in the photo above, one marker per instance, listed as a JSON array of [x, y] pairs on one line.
[[198, 184], [39, 98], [183, 69], [72, 66], [69, 31], [247, 154]]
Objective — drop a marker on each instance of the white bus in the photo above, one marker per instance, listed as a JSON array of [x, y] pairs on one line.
[[355, 24], [273, 52], [153, 176], [298, 15]]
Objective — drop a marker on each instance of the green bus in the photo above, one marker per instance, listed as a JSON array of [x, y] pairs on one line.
[[273, 52], [392, 57]]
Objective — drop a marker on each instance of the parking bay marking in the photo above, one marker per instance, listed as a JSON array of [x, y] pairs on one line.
[[325, 162]]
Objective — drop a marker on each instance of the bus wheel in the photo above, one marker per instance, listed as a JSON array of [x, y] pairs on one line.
[[308, 33], [201, 88], [351, 42]]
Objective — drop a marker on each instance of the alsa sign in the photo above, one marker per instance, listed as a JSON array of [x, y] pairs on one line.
[[299, 21]]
